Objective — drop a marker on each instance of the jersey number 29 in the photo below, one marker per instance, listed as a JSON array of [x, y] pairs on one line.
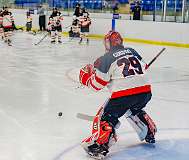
[[127, 62]]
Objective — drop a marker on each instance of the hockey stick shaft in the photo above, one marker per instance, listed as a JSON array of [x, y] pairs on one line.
[[42, 39], [152, 61], [89, 117], [67, 26]]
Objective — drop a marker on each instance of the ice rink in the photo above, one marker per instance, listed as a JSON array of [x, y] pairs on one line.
[[37, 82]]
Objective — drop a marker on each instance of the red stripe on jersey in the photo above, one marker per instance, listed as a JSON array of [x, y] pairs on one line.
[[92, 85], [131, 91], [10, 26], [100, 81]]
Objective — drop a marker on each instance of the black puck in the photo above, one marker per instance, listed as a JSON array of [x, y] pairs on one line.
[[60, 114]]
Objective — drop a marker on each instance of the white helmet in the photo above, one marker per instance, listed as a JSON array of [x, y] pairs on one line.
[[74, 17]]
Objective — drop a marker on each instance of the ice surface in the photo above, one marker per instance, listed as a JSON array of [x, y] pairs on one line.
[[37, 82]]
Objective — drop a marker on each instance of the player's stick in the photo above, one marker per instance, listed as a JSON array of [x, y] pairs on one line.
[[152, 61], [42, 39], [67, 26], [89, 117]]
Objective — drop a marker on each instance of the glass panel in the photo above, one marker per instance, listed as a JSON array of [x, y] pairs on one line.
[[158, 12], [151, 10], [187, 12], [174, 10]]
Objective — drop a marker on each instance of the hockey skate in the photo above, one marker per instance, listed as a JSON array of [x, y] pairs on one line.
[[9, 42], [87, 41], [80, 40], [150, 139], [53, 42], [97, 151]]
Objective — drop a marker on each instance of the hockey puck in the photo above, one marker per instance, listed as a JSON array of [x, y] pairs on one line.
[[60, 114]]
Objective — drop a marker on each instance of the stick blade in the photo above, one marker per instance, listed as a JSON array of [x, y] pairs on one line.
[[84, 117]]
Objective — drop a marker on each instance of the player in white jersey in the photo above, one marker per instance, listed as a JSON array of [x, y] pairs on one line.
[[122, 70], [28, 21], [75, 29], [55, 25], [1, 24], [84, 23], [8, 24]]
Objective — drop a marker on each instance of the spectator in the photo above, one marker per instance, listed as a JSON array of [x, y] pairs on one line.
[[105, 4], [42, 18], [136, 11], [115, 7]]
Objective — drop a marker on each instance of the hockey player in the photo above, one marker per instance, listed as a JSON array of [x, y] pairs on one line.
[[122, 70], [85, 23], [75, 30], [1, 25], [8, 24], [55, 26], [29, 21]]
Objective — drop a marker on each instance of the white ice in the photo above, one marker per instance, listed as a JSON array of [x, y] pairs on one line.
[[37, 82]]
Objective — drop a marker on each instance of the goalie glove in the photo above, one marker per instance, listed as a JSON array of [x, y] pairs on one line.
[[85, 74]]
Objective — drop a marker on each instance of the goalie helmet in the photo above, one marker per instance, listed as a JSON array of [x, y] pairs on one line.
[[112, 39]]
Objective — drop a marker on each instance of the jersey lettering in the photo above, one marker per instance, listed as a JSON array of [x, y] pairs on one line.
[[132, 66]]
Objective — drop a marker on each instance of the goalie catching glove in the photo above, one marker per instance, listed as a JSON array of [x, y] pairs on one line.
[[86, 74]]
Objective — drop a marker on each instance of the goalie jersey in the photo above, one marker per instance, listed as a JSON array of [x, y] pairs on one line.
[[122, 71]]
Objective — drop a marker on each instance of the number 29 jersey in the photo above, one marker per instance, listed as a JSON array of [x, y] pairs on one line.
[[122, 70]]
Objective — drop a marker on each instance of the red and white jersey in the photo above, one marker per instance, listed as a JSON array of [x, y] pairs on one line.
[[7, 21], [51, 24], [29, 19], [84, 22], [122, 71], [56, 19], [1, 20]]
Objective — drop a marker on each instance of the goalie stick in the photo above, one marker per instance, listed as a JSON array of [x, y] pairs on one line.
[[89, 117]]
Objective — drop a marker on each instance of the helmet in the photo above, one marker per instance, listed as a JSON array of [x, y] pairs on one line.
[[112, 39], [74, 17]]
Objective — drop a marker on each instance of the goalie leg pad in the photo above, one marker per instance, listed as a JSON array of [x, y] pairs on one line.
[[140, 127], [143, 125], [103, 136], [101, 141]]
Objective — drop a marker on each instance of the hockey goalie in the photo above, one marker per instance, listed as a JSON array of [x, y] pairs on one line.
[[122, 70]]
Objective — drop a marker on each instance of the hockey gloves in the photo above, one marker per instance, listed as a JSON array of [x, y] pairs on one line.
[[85, 74]]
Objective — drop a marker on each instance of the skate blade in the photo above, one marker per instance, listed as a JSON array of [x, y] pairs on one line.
[[97, 157]]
